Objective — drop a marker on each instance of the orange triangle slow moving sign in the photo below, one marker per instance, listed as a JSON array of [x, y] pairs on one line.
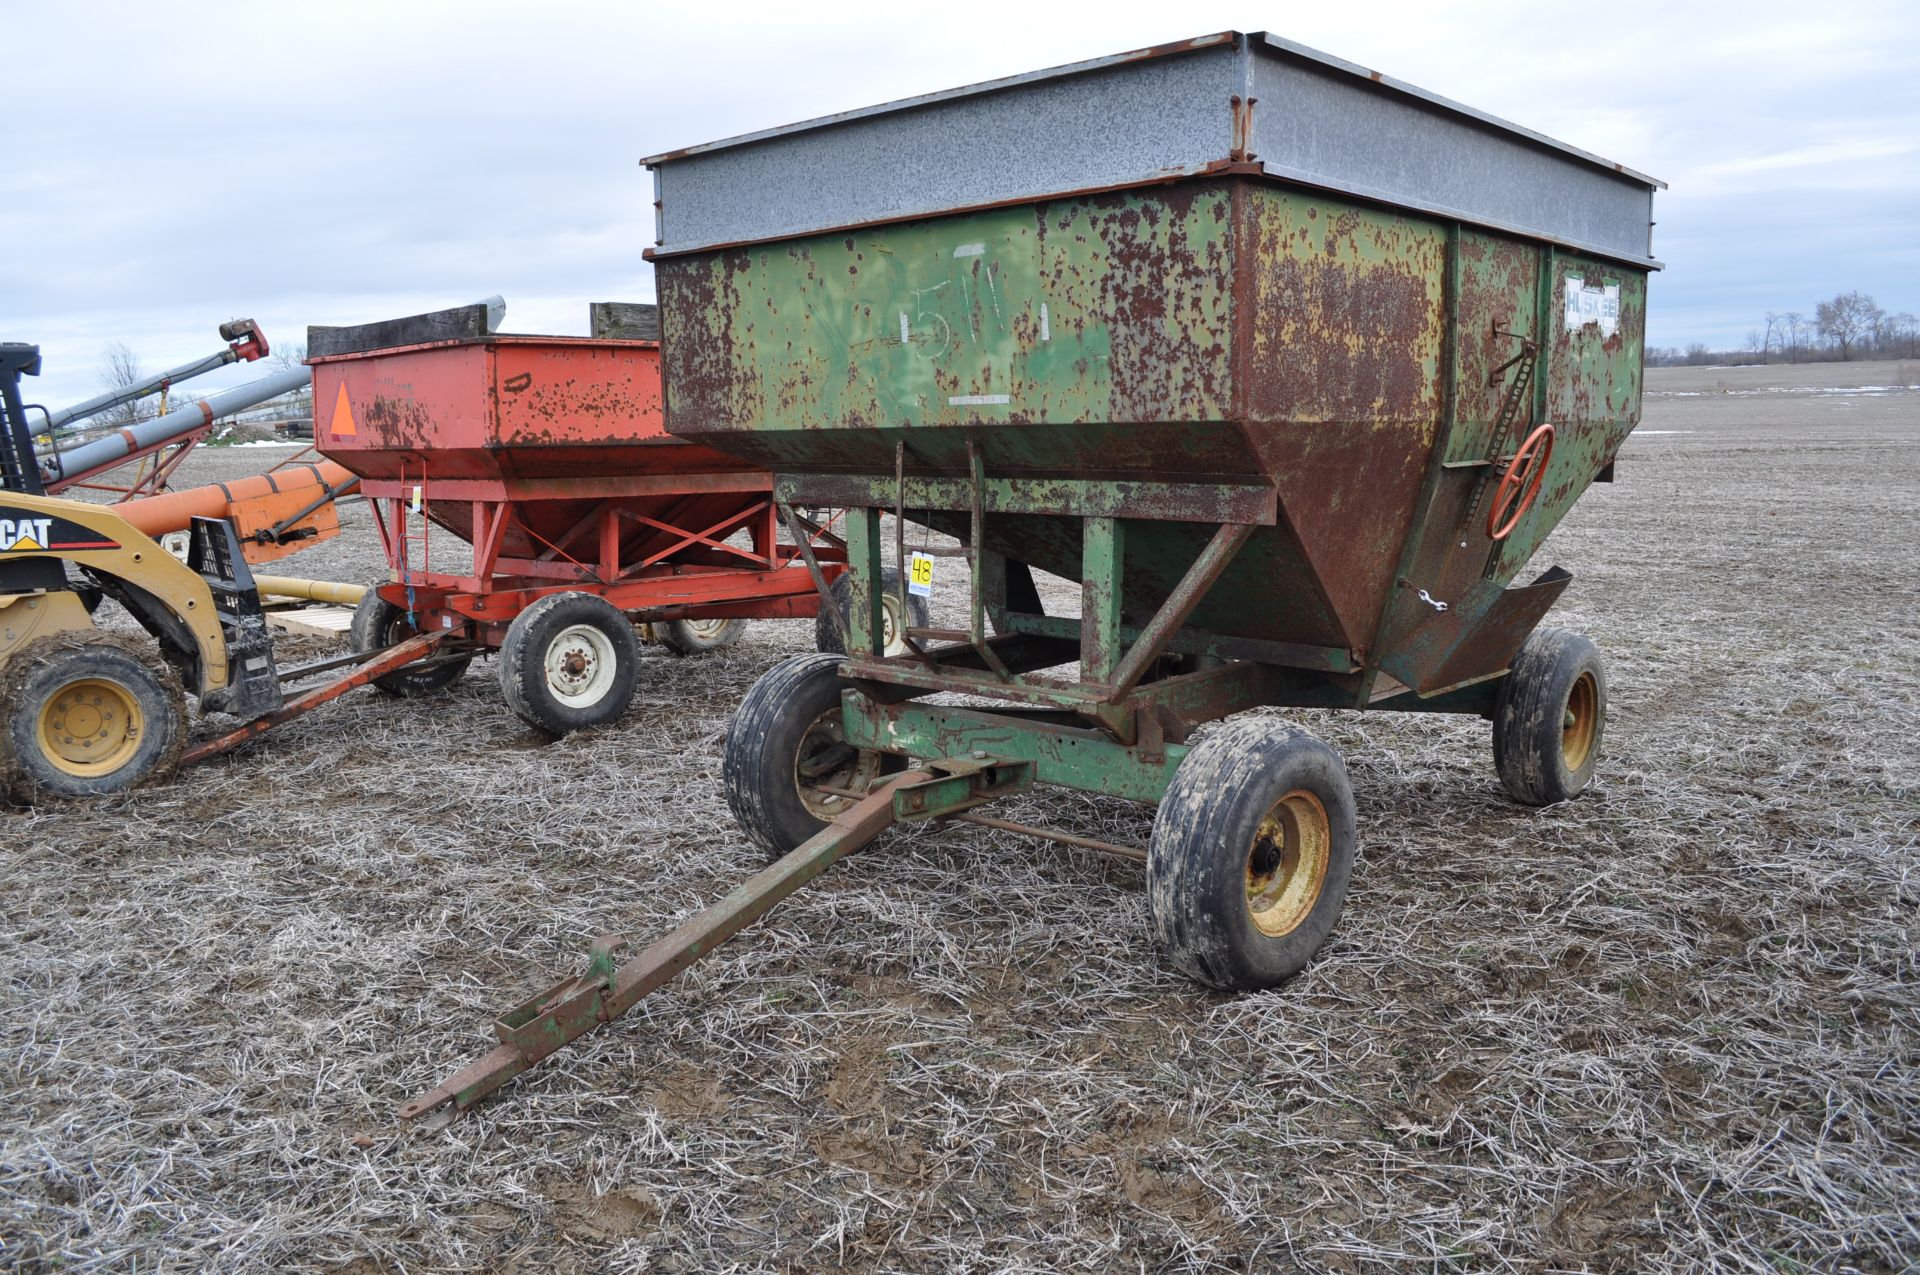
[[342, 426]]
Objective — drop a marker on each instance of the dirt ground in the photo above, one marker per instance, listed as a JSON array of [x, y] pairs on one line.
[[1672, 1026]]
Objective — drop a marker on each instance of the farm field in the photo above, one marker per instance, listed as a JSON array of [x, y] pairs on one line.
[[1672, 1026]]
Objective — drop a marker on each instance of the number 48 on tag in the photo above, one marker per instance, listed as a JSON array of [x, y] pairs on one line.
[[920, 576]]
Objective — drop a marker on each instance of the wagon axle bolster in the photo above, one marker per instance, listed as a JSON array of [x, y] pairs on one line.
[[604, 990]]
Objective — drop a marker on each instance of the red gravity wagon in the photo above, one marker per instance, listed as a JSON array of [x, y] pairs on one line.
[[530, 503]]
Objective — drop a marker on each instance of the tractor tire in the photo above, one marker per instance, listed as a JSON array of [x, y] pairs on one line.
[[1549, 717], [787, 737], [1251, 853], [569, 661], [88, 715], [379, 624], [695, 637], [826, 638]]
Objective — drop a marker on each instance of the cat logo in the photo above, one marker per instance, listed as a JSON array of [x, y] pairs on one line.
[[25, 535], [21, 531]]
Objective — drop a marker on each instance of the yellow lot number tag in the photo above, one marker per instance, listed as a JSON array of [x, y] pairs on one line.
[[920, 576]]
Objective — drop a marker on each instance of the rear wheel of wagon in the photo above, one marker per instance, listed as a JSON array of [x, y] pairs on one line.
[[894, 621], [1252, 849], [379, 624], [1549, 718], [569, 662], [788, 767], [691, 637]]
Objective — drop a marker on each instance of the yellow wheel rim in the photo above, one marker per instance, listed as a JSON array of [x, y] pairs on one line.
[[825, 760], [1287, 863], [1581, 723], [91, 727]]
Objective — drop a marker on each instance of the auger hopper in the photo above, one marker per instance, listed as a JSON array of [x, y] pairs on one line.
[[1290, 365]]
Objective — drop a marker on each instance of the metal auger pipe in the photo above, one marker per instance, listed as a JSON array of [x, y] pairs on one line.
[[245, 342], [73, 464]]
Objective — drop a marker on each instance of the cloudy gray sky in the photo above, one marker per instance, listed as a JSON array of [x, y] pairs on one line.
[[172, 165]]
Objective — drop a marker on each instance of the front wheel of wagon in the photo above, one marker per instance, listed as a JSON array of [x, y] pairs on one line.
[[379, 624], [1549, 718], [788, 768], [1252, 849], [569, 662]]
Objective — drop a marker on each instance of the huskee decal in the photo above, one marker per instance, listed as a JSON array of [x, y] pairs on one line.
[[39, 535]]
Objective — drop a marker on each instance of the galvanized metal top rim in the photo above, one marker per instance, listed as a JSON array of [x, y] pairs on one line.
[[491, 339], [1244, 40]]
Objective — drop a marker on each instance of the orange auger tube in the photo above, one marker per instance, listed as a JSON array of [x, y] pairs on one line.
[[275, 514], [175, 511]]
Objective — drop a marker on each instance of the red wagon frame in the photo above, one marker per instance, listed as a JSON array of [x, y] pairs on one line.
[[699, 574]]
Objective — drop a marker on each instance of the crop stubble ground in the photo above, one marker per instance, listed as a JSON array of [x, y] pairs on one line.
[[1671, 1026]]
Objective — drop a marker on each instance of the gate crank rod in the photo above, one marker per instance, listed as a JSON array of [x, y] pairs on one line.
[[603, 991]]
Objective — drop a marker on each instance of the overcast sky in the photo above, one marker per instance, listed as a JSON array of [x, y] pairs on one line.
[[169, 166]]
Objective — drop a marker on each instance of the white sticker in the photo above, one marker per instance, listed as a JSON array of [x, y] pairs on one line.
[[906, 330], [1597, 304], [971, 250], [920, 576], [978, 400], [1046, 329]]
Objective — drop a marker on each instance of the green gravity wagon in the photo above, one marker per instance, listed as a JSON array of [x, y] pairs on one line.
[[1290, 365]]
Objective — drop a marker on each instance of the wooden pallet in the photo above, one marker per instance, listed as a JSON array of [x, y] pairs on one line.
[[313, 621]]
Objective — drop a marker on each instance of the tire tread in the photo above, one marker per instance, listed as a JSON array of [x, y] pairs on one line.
[[1194, 865], [523, 680], [1527, 712]]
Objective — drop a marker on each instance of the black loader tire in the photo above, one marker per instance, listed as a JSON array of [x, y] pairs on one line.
[[1251, 853], [379, 624], [826, 638], [695, 637], [793, 706], [135, 718], [1550, 717], [609, 663]]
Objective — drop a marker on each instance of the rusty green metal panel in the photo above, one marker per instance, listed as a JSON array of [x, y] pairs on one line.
[[1346, 320], [1078, 312], [1592, 390], [1587, 385], [1498, 309], [1343, 352]]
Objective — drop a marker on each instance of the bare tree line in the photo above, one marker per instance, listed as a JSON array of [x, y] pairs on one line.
[[1849, 326]]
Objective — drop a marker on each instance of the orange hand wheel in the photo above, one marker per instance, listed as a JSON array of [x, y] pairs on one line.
[[1520, 484]]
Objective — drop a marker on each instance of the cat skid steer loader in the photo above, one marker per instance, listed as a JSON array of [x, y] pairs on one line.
[[85, 711]]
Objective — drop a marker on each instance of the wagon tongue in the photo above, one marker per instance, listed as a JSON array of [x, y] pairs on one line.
[[605, 990]]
